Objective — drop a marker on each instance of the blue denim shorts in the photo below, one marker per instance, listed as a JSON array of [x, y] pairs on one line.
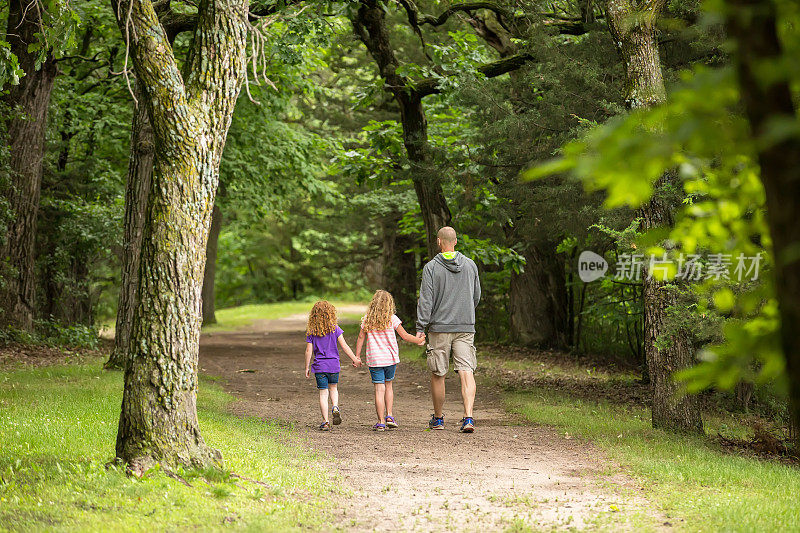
[[323, 378], [382, 374]]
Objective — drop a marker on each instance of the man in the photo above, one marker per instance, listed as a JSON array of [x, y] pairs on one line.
[[449, 293]]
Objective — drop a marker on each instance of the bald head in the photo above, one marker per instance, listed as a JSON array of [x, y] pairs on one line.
[[447, 239]]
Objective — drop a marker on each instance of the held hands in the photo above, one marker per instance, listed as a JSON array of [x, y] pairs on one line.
[[358, 363], [420, 338]]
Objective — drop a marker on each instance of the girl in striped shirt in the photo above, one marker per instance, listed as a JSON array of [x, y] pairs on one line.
[[378, 327]]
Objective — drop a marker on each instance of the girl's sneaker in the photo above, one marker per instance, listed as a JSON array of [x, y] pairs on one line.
[[391, 423], [337, 416], [379, 427], [325, 426]]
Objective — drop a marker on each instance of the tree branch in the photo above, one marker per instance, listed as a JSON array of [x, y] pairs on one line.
[[490, 70], [466, 7], [209, 60], [154, 62], [176, 23]]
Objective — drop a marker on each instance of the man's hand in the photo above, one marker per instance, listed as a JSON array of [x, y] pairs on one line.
[[308, 373], [420, 338]]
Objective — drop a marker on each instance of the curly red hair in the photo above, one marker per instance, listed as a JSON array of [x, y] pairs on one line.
[[321, 319]]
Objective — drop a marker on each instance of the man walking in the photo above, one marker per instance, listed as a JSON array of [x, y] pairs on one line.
[[449, 293]]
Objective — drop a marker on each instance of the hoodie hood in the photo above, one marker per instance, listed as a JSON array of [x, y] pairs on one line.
[[453, 265]]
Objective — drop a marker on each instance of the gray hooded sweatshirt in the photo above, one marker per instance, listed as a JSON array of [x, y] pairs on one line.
[[448, 295]]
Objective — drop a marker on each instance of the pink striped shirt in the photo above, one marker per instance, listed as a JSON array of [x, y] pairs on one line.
[[382, 347]]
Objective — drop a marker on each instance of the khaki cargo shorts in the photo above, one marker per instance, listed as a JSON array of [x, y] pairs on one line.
[[442, 345]]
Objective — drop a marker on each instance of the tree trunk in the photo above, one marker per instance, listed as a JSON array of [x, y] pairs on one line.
[[137, 191], [538, 302], [399, 272], [753, 28], [635, 37], [26, 136], [190, 115], [209, 306], [672, 409], [633, 31]]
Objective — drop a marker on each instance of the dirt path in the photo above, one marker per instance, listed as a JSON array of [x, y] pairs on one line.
[[503, 475]]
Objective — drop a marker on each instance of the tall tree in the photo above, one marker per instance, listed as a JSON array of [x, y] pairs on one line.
[[369, 24], [537, 296], [190, 114], [209, 274], [632, 24], [28, 101], [137, 190], [768, 101]]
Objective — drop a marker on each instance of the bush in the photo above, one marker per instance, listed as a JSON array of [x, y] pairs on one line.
[[53, 334]]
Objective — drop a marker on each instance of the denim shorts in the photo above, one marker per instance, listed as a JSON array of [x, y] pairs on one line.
[[382, 374], [323, 378]]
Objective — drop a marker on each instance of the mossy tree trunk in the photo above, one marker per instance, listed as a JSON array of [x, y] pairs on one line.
[[137, 190], [29, 102], [632, 24], [190, 115], [753, 27]]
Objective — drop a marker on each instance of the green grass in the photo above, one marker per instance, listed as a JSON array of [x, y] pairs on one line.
[[57, 431], [237, 317], [697, 486]]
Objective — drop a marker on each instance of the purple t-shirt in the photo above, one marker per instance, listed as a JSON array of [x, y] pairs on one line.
[[326, 351]]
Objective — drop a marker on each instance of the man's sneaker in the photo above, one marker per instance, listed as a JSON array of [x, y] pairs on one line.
[[337, 416], [436, 422], [467, 424], [391, 423]]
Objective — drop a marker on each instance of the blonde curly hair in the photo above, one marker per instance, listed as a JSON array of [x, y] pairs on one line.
[[379, 312], [321, 319]]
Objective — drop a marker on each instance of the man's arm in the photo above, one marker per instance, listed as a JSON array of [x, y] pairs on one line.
[[425, 303], [476, 293]]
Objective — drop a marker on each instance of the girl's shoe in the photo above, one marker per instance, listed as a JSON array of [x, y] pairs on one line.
[[379, 427], [390, 422], [325, 426], [337, 416]]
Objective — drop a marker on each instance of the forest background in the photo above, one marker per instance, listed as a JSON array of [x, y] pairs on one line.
[[537, 129]]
